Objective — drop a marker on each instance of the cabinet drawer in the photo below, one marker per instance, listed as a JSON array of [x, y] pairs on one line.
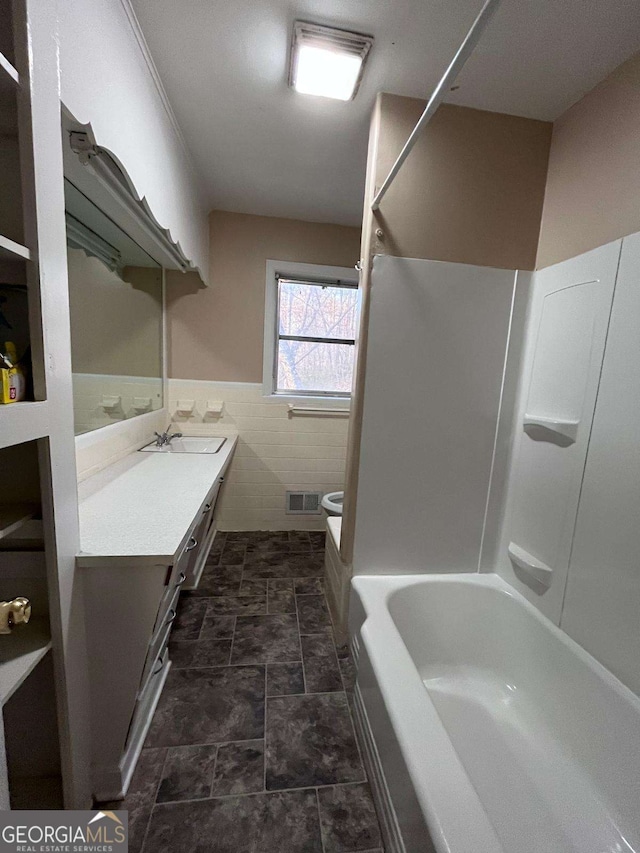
[[148, 697], [158, 646], [177, 575], [204, 533], [166, 614]]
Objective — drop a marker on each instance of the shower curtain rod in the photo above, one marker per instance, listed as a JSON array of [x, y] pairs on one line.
[[457, 63]]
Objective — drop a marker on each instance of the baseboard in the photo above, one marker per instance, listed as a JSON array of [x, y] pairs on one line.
[[389, 827]]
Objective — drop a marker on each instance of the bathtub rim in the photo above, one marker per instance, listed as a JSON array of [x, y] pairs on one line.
[[453, 811]]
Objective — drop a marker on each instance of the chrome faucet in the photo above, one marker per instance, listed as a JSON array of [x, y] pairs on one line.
[[166, 437]]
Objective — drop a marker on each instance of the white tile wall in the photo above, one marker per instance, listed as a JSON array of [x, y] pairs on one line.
[[276, 453], [89, 389], [95, 450]]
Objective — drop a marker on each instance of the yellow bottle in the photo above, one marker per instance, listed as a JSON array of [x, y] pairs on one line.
[[13, 381]]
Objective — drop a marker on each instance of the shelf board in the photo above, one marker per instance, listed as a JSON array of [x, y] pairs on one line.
[[24, 421], [11, 249], [13, 516], [7, 70], [36, 792], [20, 653]]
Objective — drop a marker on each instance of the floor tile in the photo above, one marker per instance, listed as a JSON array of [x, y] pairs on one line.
[[348, 671], [240, 535], [189, 618], [217, 627], [317, 539], [237, 605], [266, 639], [216, 549], [281, 602], [233, 554], [300, 547], [348, 819], [321, 670], [313, 614], [284, 679], [296, 536], [203, 706], [187, 773], [218, 580], [273, 559], [309, 586], [310, 741], [285, 566], [253, 586], [239, 768], [207, 652], [285, 822], [249, 537], [217, 712], [141, 795], [274, 546], [280, 585]]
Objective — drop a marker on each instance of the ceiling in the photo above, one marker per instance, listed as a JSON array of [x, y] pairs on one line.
[[262, 148]]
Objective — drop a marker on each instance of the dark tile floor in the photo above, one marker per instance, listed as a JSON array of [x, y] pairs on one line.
[[252, 747]]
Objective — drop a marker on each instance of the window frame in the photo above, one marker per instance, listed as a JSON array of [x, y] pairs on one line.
[[290, 270]]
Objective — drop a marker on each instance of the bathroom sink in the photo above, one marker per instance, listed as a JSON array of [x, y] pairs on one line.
[[187, 444]]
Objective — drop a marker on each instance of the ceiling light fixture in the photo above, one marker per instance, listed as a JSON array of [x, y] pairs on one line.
[[326, 61]]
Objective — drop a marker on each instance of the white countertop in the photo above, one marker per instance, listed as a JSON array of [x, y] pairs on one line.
[[140, 509]]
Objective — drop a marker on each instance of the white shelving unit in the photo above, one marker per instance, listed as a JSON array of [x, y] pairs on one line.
[[8, 71], [10, 249], [12, 518], [24, 421], [42, 692], [20, 653]]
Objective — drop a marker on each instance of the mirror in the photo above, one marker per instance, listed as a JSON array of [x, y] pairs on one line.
[[115, 296]]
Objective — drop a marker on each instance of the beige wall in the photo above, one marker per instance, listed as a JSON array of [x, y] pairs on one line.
[[593, 187], [216, 333], [471, 190], [116, 325]]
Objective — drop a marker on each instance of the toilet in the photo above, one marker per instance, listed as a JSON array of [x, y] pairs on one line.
[[332, 503]]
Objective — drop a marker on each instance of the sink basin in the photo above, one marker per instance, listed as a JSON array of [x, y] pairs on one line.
[[187, 444]]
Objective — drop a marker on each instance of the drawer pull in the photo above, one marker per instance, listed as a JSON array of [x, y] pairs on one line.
[[171, 618], [193, 543], [183, 578], [207, 507], [162, 659]]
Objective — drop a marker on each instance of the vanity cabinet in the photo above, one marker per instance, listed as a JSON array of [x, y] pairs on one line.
[[131, 583], [202, 539]]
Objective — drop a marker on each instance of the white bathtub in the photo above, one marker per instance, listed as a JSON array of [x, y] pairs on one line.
[[486, 728]]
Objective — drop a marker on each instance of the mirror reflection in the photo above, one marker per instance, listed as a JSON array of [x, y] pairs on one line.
[[115, 293]]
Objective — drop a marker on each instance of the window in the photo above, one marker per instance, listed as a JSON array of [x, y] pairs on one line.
[[311, 321]]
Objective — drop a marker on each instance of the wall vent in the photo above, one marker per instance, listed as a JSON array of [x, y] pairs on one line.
[[303, 503]]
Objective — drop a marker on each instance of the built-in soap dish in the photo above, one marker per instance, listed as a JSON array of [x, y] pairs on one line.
[[214, 408], [185, 407], [532, 567], [555, 430], [141, 404], [110, 402]]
